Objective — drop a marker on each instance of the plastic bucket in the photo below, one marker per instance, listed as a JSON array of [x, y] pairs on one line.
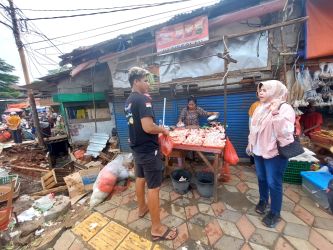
[[205, 183], [180, 187]]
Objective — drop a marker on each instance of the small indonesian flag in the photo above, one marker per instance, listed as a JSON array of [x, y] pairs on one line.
[[148, 104]]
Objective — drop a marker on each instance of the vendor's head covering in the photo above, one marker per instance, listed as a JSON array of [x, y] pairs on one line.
[[13, 113], [276, 92]]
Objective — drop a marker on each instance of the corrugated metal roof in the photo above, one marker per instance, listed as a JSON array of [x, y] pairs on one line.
[[97, 143], [147, 34]]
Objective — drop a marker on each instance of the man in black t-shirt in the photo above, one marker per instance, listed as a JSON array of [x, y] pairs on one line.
[[143, 134]]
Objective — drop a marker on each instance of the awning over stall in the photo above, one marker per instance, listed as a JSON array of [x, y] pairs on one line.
[[319, 28]]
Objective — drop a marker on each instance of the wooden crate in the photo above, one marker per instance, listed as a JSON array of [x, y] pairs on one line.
[[54, 178]]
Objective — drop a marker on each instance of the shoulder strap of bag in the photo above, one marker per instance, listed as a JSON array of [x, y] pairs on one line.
[[294, 125], [281, 105]]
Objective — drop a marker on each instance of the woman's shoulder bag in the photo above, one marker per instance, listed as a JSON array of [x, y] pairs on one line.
[[293, 149]]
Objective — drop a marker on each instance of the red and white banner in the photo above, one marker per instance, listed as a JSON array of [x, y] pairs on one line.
[[181, 35]]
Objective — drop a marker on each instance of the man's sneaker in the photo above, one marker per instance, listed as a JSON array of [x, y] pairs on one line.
[[261, 207], [270, 220]]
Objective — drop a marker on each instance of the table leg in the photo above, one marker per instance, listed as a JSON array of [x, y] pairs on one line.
[[203, 157], [216, 165]]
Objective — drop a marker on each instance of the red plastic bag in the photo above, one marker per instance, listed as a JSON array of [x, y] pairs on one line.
[[230, 154], [79, 154], [225, 173], [166, 144], [106, 181]]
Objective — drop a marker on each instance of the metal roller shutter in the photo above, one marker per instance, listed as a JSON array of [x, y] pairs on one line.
[[237, 115]]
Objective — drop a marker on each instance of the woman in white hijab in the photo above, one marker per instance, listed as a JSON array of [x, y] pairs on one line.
[[272, 124]]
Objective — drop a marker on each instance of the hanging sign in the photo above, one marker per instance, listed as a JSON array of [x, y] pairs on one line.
[[182, 35]]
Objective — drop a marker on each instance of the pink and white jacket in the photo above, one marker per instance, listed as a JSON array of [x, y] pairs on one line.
[[277, 128]]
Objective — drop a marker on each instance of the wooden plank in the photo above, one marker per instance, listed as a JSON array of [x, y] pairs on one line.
[[31, 169], [45, 178], [270, 27], [62, 170], [54, 176], [79, 166], [104, 156], [49, 181], [52, 190], [199, 148]]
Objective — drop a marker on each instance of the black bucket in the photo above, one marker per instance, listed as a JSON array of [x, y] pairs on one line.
[[205, 183], [181, 187]]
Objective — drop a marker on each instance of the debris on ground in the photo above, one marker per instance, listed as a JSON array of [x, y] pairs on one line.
[[54, 198]]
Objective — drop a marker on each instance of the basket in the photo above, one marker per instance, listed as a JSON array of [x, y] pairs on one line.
[[292, 174], [320, 137], [6, 180]]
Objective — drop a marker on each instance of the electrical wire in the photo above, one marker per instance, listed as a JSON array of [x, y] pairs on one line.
[[6, 18], [123, 22], [97, 13], [100, 34], [106, 8], [33, 28], [29, 66], [34, 61], [130, 26], [46, 59]]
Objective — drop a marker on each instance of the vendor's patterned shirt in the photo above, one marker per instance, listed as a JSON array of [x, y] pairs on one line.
[[191, 117]]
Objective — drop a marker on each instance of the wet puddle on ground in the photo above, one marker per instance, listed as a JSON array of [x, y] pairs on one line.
[[236, 200]]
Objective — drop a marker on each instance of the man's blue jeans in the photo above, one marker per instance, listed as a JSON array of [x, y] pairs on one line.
[[270, 176]]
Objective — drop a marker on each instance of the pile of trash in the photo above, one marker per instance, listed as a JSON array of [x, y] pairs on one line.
[[80, 184]]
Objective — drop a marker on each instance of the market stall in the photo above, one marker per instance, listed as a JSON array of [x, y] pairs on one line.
[[202, 140]]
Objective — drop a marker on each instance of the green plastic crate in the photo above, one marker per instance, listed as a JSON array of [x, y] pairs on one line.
[[292, 174]]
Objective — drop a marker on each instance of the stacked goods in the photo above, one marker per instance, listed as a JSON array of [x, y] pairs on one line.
[[297, 91], [208, 137], [323, 136]]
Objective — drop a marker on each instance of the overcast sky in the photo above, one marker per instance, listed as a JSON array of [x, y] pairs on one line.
[[42, 59]]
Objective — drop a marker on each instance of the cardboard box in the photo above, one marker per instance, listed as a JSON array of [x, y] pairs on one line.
[[89, 177], [81, 182]]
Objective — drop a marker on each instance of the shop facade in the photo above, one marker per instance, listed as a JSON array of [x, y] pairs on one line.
[[195, 67], [84, 103]]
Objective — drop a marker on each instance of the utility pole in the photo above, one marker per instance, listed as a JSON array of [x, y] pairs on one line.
[[19, 45]]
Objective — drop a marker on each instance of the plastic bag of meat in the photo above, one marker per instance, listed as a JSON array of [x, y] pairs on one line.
[[230, 154], [108, 177], [166, 144]]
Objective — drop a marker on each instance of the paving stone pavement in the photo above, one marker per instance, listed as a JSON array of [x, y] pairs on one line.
[[230, 223]]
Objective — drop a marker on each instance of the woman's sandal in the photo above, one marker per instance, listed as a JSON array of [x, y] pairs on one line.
[[165, 235]]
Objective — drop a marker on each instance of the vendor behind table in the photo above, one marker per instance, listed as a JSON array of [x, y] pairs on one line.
[[190, 115]]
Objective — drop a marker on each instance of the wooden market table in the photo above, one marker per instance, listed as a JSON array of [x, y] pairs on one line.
[[217, 162]]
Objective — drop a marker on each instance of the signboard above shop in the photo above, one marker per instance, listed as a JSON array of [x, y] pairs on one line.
[[182, 35]]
